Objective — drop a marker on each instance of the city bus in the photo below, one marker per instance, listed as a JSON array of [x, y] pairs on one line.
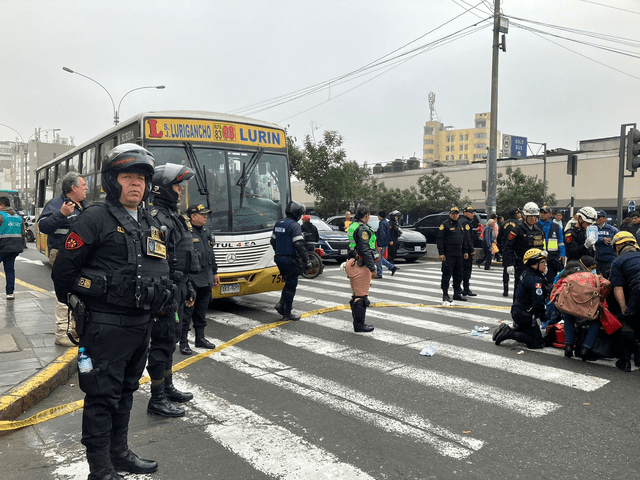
[[241, 174]]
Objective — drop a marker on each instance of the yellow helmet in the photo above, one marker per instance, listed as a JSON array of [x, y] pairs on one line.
[[623, 237], [534, 255]]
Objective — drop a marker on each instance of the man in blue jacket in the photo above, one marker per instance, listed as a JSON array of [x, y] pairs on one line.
[[55, 221], [383, 235], [11, 229]]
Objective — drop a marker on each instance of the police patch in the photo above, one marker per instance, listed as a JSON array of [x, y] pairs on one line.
[[365, 235], [538, 291], [466, 227], [538, 285], [512, 235], [73, 241], [442, 226], [567, 238]]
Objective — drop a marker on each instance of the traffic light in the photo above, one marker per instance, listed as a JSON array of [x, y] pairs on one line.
[[633, 149]]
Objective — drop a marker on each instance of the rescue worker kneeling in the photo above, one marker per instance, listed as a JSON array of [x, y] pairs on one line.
[[361, 267], [528, 303]]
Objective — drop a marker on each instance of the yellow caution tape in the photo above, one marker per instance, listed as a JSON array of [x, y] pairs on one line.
[[72, 353]]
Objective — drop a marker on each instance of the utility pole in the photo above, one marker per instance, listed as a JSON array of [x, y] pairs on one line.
[[492, 161]]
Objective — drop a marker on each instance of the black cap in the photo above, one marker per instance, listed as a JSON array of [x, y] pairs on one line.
[[514, 211], [454, 210], [545, 209], [602, 213], [469, 209], [198, 209]]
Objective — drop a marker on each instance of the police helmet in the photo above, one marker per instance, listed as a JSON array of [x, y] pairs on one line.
[[623, 237], [531, 208], [127, 157], [165, 177], [295, 210], [534, 255], [395, 213], [588, 214]]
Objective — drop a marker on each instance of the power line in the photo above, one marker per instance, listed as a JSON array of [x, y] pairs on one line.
[[611, 6]]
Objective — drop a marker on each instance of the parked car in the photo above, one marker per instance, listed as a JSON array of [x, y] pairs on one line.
[[429, 225], [334, 243], [411, 245]]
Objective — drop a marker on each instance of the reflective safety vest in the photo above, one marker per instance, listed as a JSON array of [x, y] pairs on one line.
[[352, 230]]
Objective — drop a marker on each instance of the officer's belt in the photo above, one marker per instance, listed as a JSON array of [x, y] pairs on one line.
[[120, 320], [178, 277]]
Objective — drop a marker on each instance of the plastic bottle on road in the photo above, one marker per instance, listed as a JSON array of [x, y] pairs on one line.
[[85, 365]]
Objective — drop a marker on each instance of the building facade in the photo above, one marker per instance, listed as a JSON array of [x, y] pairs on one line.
[[446, 145]]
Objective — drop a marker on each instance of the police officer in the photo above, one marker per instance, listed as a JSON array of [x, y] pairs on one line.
[[528, 303], [55, 220], [182, 258], [604, 251], [394, 228], [291, 256], [467, 262], [527, 234], [553, 243], [625, 280], [575, 238], [452, 242], [503, 233], [202, 280], [361, 267], [113, 263]]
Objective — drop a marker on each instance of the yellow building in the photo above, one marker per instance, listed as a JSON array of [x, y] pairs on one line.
[[446, 145]]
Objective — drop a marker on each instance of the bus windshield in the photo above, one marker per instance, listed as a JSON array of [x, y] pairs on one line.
[[250, 204]]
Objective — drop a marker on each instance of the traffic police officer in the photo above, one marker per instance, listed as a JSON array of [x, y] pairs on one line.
[[361, 267], [182, 258], [503, 233], [604, 251], [528, 303], [625, 280], [452, 242], [112, 269], [575, 238], [291, 256], [467, 262], [553, 243], [202, 280], [527, 234]]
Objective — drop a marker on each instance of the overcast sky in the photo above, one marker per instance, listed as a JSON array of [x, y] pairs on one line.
[[224, 56]]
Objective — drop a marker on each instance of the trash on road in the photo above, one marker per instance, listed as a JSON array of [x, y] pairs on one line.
[[428, 351]]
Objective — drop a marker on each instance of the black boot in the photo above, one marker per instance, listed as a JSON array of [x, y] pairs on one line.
[[446, 297], [279, 308], [636, 354], [458, 296], [568, 351], [201, 341], [125, 460], [185, 349], [505, 293], [100, 466], [287, 315], [502, 333], [160, 405], [359, 312], [172, 393], [469, 293]]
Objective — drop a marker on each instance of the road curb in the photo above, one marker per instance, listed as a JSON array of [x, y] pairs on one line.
[[32, 391]]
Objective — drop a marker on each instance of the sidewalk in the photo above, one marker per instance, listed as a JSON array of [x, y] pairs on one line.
[[31, 364]]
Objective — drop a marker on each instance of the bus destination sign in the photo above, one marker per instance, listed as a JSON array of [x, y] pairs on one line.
[[191, 130]]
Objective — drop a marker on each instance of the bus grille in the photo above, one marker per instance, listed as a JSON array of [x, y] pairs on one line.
[[235, 257]]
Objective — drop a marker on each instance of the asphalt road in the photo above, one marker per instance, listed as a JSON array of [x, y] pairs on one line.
[[311, 399]]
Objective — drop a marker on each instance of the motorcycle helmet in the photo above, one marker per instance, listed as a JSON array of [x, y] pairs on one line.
[[295, 210], [534, 255], [127, 157], [166, 176]]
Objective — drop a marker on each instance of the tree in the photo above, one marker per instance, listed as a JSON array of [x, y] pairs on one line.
[[438, 193], [336, 182], [517, 189]]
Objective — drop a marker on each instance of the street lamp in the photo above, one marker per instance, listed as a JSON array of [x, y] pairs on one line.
[[116, 112]]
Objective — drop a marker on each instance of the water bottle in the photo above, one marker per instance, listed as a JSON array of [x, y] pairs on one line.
[[84, 361]]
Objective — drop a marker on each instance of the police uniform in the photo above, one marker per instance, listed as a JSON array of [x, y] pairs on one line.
[[528, 305], [503, 234], [574, 239], [520, 239], [467, 263], [554, 245], [605, 254], [202, 281], [452, 242], [360, 267], [291, 256]]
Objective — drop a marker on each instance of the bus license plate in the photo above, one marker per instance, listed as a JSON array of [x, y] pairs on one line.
[[343, 252], [230, 288]]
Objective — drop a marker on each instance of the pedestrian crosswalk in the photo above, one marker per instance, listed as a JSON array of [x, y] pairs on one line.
[[312, 363]]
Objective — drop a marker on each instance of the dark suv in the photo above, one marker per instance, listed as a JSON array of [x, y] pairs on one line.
[[429, 225]]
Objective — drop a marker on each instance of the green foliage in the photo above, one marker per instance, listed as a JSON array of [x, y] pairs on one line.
[[337, 183], [516, 189], [438, 193]]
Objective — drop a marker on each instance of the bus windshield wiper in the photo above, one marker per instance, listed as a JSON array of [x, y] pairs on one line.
[[247, 170], [199, 172]]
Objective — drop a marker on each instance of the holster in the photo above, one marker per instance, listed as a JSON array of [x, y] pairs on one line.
[[79, 312]]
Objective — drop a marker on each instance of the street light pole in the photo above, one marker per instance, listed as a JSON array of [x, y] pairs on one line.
[[116, 111]]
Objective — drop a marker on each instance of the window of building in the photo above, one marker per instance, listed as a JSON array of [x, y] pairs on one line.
[[465, 157], [480, 135], [429, 151], [428, 142], [466, 137]]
